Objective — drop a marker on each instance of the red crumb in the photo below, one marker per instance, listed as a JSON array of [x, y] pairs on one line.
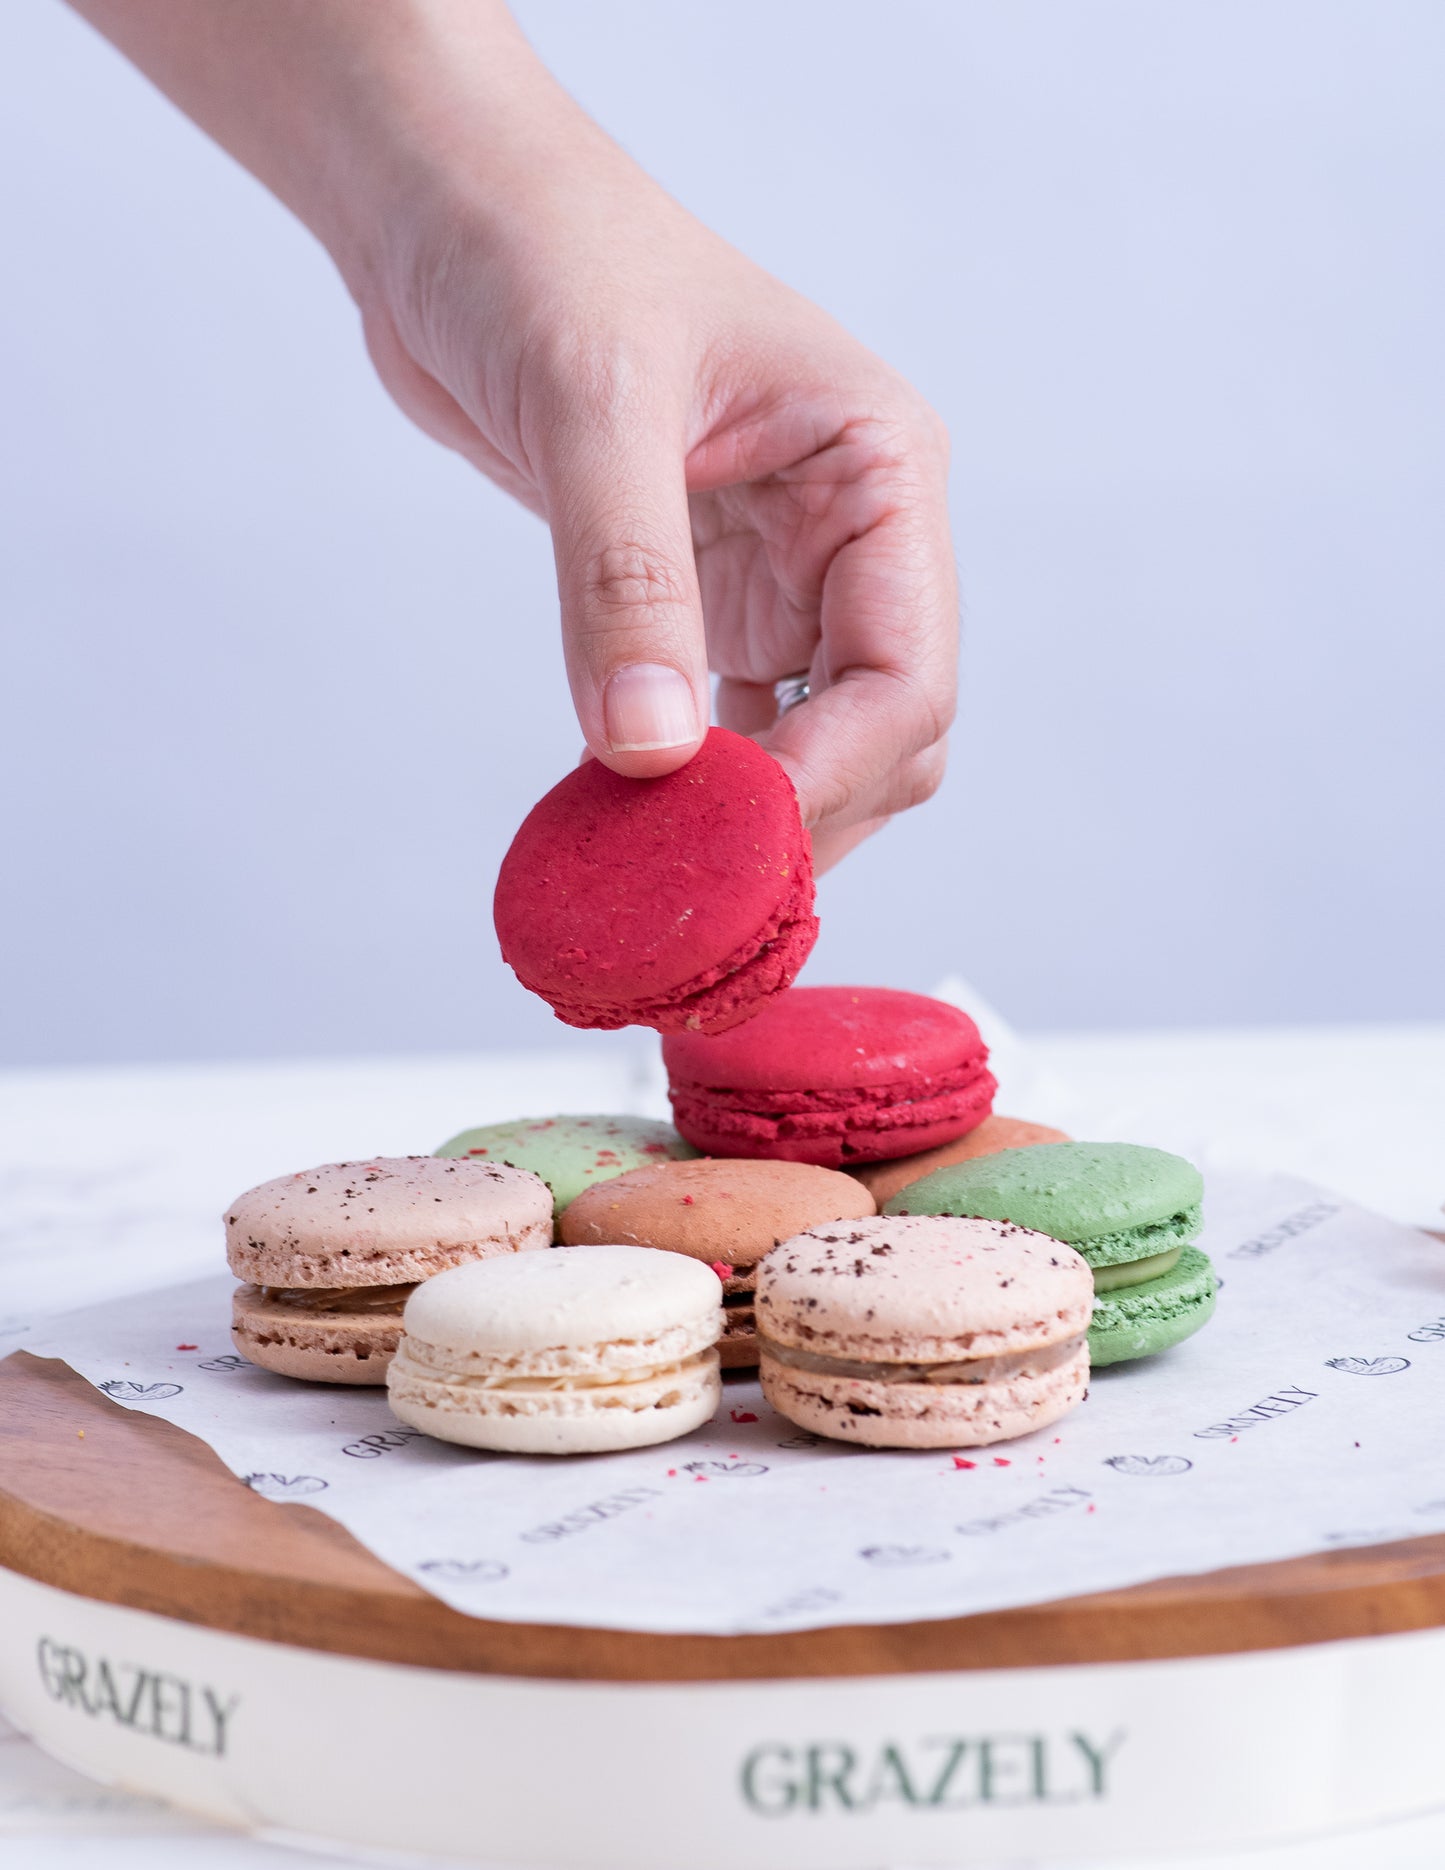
[[672, 1473], [1001, 1461], [722, 1269], [1091, 1506], [958, 1461], [746, 1415], [689, 1201], [701, 1477], [188, 1347]]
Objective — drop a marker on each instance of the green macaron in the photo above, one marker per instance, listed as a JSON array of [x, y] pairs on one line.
[[1131, 1211], [571, 1153], [1136, 1321]]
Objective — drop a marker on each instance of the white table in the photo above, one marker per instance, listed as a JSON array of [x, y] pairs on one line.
[[112, 1181]]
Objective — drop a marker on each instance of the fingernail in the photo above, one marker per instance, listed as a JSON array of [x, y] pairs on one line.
[[647, 706]]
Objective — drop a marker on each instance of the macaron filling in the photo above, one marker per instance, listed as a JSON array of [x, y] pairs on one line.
[[1135, 1272], [551, 1383], [382, 1301], [1002, 1367]]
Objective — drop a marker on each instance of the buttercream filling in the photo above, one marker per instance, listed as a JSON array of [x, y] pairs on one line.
[[375, 1301], [574, 1380], [1135, 1272], [973, 1370]]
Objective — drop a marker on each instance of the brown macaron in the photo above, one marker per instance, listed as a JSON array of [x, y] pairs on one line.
[[884, 1179], [727, 1212], [331, 1255]]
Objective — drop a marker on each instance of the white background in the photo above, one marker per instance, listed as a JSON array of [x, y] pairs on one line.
[[281, 677]]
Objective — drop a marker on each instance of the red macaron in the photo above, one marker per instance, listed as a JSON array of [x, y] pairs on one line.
[[832, 1075], [682, 903]]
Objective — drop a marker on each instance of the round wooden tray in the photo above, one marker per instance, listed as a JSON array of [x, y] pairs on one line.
[[128, 1509]]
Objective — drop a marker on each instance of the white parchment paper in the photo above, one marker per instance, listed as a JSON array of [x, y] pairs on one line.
[[1306, 1416]]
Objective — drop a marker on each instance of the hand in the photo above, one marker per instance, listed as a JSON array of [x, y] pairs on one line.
[[732, 482]]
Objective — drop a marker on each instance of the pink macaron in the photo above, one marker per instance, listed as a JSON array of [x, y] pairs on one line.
[[923, 1331], [331, 1255]]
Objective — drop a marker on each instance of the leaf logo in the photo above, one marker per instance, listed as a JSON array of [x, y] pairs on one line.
[[904, 1554], [465, 1570], [124, 1391], [720, 1470], [1149, 1466], [1369, 1366], [285, 1487]]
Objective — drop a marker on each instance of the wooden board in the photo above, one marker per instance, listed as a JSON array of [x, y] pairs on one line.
[[129, 1509]]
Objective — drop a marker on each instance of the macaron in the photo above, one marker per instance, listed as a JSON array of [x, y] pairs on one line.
[[576, 1351], [683, 903], [1131, 1211], [330, 1255], [834, 1076], [923, 1333], [884, 1179], [571, 1153], [727, 1214]]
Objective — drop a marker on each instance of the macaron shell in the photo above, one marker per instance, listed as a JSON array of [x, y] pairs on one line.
[[627, 897], [924, 1415], [814, 1039], [885, 1179], [614, 1301], [922, 1290], [388, 1220], [581, 1421], [718, 1211], [333, 1347], [571, 1153], [1137, 1321], [1114, 1201]]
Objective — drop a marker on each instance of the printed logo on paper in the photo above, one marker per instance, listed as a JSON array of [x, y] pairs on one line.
[[285, 1486], [124, 1391]]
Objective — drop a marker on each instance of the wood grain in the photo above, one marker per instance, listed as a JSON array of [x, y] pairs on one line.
[[128, 1509]]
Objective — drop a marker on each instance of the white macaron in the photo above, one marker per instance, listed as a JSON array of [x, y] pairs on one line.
[[574, 1351]]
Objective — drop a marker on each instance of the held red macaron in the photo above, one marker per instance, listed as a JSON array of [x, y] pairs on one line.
[[682, 903], [832, 1075]]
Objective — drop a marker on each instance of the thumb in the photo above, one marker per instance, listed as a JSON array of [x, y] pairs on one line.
[[632, 625]]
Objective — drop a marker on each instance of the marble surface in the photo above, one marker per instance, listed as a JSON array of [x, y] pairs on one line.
[[113, 1181]]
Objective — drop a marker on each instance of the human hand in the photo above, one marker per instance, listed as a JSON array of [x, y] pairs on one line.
[[731, 480]]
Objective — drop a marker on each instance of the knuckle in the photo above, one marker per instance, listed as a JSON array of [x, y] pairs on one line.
[[924, 777], [632, 576]]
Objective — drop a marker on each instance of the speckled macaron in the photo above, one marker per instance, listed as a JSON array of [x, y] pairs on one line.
[[883, 1180], [330, 1255], [571, 1153], [576, 1351], [727, 1213], [923, 1332], [1133, 1213]]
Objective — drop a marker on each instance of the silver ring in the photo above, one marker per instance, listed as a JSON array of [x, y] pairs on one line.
[[791, 692]]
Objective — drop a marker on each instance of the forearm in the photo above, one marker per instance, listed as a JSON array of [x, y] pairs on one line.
[[353, 111]]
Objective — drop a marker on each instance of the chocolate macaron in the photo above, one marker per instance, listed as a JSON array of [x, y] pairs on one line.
[[330, 1256], [884, 1179], [727, 1213]]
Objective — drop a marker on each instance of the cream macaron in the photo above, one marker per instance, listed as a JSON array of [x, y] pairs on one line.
[[576, 1351], [330, 1255], [923, 1332]]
